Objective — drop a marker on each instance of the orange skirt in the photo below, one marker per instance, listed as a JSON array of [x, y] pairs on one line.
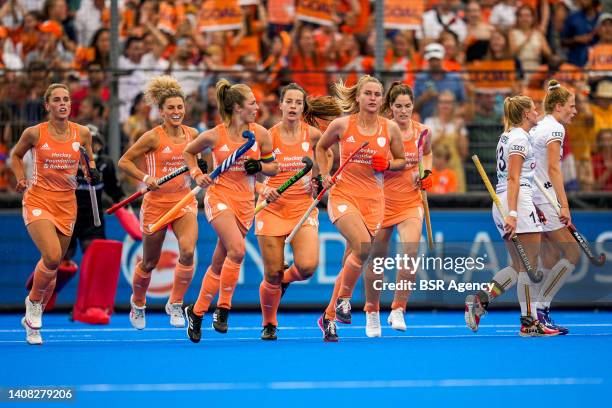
[[279, 218], [216, 202], [152, 210], [369, 209], [59, 207]]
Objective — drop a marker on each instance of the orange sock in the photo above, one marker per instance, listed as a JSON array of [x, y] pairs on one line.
[[351, 271], [400, 298], [269, 295], [208, 290], [43, 278], [229, 279], [182, 279], [140, 284], [330, 312], [292, 275], [49, 291]]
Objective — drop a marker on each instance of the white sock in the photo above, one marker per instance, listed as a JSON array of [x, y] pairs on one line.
[[554, 281], [526, 296], [538, 287], [506, 278]]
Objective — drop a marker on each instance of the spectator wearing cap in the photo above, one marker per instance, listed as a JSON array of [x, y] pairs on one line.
[[600, 55], [602, 106], [433, 81], [579, 32], [50, 49], [440, 18]]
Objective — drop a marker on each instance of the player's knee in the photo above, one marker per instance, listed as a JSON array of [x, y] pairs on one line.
[[236, 252], [148, 265], [306, 269], [274, 276], [52, 259], [186, 256]]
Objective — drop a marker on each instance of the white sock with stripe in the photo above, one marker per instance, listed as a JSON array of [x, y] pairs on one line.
[[554, 281]]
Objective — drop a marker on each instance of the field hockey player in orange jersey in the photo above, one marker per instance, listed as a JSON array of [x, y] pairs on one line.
[[49, 202], [230, 198], [162, 148], [292, 139], [403, 209], [356, 201]]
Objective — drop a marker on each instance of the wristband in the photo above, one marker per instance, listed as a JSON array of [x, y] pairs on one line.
[[92, 163], [513, 214]]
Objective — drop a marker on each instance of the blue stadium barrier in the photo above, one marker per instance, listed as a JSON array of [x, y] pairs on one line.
[[459, 231]]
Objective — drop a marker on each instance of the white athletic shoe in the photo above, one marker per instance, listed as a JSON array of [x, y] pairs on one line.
[[373, 328], [396, 319], [33, 315], [32, 335], [175, 311], [137, 316]]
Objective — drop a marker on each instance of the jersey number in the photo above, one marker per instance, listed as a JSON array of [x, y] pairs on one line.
[[500, 159]]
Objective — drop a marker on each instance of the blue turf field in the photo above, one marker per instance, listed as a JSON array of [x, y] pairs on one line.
[[437, 360]]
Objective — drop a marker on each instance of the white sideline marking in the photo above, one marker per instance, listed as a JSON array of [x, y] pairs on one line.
[[258, 340], [314, 385], [283, 328]]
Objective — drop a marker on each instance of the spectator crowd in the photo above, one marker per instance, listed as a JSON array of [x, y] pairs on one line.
[[461, 58]]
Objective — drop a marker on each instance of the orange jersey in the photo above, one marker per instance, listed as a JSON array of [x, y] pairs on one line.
[[234, 181], [50, 195], [402, 185], [56, 163], [167, 158], [443, 182], [358, 177], [289, 158], [600, 57]]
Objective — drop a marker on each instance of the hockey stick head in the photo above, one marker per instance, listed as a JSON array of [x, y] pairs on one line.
[[421, 142], [247, 134], [84, 159], [307, 164]]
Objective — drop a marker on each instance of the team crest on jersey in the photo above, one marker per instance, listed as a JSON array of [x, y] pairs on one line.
[[221, 207], [260, 225], [167, 149], [36, 212], [224, 148], [162, 276], [382, 141], [75, 146], [305, 146], [533, 165], [342, 208]]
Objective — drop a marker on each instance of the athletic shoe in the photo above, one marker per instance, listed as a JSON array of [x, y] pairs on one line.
[[268, 332], [533, 328], [194, 324], [32, 335], [373, 328], [328, 327], [33, 314], [544, 317], [175, 311], [284, 287], [474, 310], [220, 319], [137, 316], [343, 310], [396, 319]]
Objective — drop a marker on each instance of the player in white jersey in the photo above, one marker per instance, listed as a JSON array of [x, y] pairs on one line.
[[515, 170], [561, 253]]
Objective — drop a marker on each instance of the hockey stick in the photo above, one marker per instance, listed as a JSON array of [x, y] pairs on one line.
[[597, 261], [92, 189], [320, 196], [535, 275], [420, 145], [144, 190], [308, 165], [227, 163]]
